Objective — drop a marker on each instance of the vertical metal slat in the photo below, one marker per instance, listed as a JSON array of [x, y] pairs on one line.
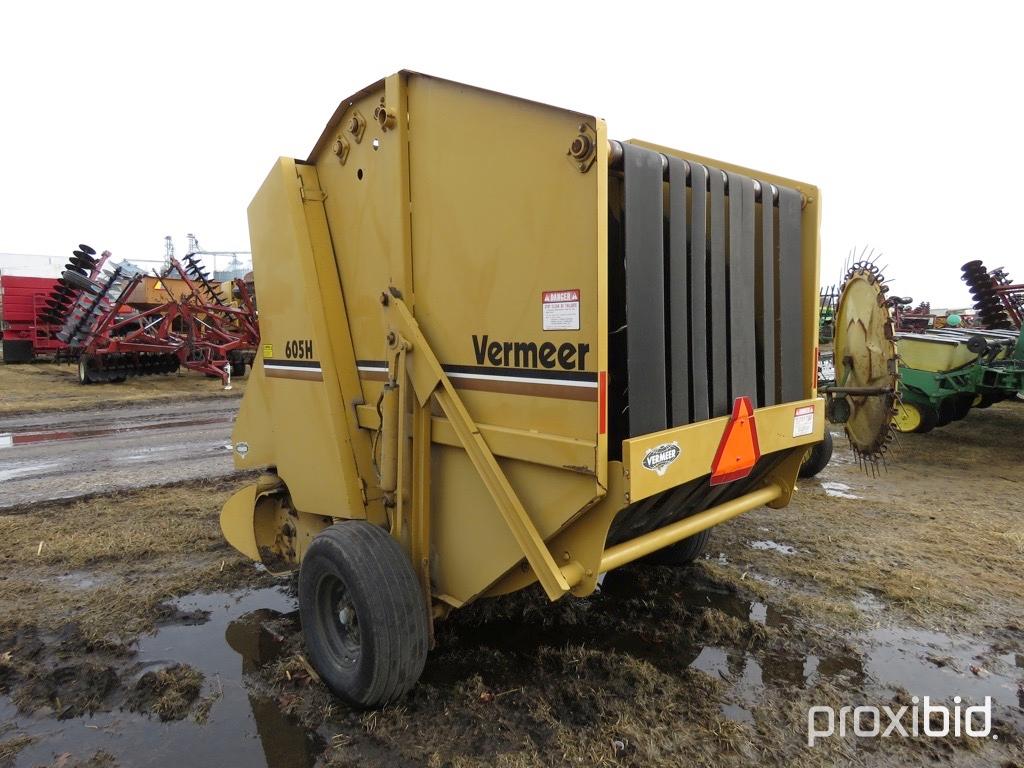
[[767, 318], [791, 333], [698, 292], [676, 296], [645, 291], [718, 299], [742, 352]]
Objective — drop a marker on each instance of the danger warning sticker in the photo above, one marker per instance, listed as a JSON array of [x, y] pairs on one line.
[[803, 421], [561, 310]]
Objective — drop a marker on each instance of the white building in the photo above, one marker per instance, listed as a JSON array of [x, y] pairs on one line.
[[31, 265]]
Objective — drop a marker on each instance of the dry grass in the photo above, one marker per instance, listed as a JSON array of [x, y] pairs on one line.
[[109, 563], [166, 693], [9, 748], [43, 387]]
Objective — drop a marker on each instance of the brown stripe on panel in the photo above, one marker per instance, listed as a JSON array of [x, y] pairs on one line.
[[532, 389], [293, 373], [509, 387]]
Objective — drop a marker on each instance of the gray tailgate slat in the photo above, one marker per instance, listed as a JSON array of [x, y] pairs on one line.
[[645, 291], [676, 295], [766, 316], [742, 352], [698, 291], [791, 334], [718, 299]]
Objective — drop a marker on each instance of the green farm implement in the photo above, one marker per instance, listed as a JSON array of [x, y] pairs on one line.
[[944, 373]]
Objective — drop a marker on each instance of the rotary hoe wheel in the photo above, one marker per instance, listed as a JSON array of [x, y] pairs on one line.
[[866, 361]]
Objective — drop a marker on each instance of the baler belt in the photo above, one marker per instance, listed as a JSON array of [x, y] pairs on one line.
[[718, 299], [698, 291], [766, 316], [713, 294], [676, 289], [645, 291], [791, 332], [742, 353]]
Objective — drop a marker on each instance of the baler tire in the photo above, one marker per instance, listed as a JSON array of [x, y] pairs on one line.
[[817, 457], [356, 572], [237, 369], [682, 553]]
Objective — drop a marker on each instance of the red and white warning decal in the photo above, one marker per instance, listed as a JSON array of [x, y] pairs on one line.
[[561, 310], [803, 421]]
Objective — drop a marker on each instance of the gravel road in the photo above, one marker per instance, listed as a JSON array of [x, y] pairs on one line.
[[62, 455]]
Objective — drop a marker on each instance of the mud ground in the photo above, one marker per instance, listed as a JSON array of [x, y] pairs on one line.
[[130, 634]]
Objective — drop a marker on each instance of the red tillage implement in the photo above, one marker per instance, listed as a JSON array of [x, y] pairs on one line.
[[198, 330]]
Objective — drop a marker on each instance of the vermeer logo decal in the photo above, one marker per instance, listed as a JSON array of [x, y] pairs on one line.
[[658, 458]]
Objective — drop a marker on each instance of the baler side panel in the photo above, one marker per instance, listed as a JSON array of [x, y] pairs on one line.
[[499, 216], [298, 378]]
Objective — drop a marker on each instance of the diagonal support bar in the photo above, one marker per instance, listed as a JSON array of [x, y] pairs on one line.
[[428, 378]]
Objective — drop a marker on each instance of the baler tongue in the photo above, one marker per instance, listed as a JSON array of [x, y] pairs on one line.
[[865, 359]]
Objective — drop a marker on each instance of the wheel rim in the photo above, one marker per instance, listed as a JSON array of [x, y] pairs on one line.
[[337, 615], [907, 418]]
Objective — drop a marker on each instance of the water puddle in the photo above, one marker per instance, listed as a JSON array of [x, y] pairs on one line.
[[82, 579], [15, 439], [243, 728], [773, 546], [40, 467], [837, 490], [943, 666]]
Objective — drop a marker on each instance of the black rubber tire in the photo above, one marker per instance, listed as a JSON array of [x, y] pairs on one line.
[[237, 369], [817, 458], [360, 566], [85, 370], [962, 406], [929, 418], [682, 553], [18, 351], [946, 412]]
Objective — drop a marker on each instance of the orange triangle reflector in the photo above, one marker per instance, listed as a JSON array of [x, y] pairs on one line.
[[738, 452]]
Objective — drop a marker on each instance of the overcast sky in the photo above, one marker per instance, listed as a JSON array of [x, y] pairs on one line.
[[122, 123]]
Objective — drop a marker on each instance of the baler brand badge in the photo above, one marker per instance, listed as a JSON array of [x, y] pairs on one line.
[[658, 458]]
